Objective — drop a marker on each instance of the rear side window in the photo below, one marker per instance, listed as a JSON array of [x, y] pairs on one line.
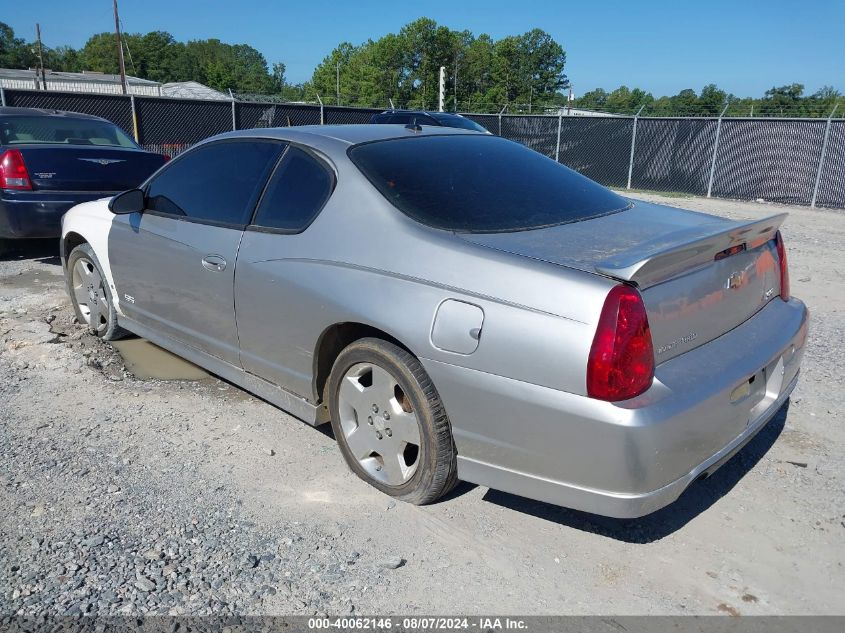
[[404, 118], [480, 184], [295, 194], [217, 183], [460, 122], [26, 130]]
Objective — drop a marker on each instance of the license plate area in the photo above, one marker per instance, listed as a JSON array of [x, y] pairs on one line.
[[760, 391]]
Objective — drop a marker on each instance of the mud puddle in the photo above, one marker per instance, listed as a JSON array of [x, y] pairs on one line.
[[146, 360]]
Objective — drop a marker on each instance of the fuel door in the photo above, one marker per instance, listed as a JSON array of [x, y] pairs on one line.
[[457, 327]]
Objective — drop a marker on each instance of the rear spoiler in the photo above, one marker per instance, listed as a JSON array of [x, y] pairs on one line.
[[693, 249]]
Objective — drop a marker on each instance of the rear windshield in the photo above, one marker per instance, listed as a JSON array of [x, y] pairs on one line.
[[24, 130], [480, 184], [460, 122]]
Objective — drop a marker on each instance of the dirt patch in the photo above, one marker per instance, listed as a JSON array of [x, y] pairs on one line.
[[146, 360]]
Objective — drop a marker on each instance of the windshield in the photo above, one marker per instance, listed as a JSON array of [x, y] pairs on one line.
[[25, 130], [480, 184], [460, 122]]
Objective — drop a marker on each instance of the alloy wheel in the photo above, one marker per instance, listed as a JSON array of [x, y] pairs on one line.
[[90, 295], [379, 424]]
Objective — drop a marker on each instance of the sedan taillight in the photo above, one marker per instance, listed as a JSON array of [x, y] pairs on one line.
[[621, 362], [13, 173], [784, 267]]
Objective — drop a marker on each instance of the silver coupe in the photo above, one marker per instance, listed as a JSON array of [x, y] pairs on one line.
[[456, 305]]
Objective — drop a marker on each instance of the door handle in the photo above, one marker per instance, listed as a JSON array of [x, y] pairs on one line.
[[214, 263]]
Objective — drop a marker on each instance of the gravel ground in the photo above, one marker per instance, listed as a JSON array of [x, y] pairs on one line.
[[129, 496]]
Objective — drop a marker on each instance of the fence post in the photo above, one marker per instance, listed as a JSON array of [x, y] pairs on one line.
[[822, 157], [234, 115], [559, 122], [2, 96], [322, 119], [715, 149], [505, 107], [633, 145]]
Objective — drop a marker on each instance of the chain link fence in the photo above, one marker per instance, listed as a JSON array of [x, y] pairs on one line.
[[795, 161], [673, 155], [597, 147]]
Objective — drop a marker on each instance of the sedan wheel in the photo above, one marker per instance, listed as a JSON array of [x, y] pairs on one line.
[[90, 295], [389, 422], [378, 423]]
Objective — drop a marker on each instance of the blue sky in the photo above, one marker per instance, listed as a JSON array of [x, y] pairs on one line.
[[743, 46]]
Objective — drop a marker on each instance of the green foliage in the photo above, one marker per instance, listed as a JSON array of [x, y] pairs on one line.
[[480, 72], [524, 72], [14, 52], [788, 101], [156, 56]]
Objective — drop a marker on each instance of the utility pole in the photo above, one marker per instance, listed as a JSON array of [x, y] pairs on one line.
[[40, 56], [456, 82], [119, 48], [441, 98], [337, 81]]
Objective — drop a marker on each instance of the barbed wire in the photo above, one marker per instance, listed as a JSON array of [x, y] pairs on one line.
[[734, 109]]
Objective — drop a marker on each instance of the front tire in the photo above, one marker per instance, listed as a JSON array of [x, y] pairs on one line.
[[90, 294], [390, 423]]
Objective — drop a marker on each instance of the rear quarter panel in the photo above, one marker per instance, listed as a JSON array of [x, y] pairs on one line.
[[369, 264]]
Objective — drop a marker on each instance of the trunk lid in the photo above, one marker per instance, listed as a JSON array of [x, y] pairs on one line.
[[700, 276], [64, 167]]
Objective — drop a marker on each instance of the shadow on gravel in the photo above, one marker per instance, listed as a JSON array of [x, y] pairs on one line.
[[44, 251], [696, 499]]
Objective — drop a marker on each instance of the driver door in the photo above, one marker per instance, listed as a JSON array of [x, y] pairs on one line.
[[174, 264]]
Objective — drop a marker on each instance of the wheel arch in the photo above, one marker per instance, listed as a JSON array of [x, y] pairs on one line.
[[71, 240], [332, 342]]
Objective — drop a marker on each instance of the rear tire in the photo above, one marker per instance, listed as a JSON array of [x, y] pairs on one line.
[[90, 294], [390, 423]]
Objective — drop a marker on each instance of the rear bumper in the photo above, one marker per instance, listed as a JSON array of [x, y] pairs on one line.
[[38, 214], [626, 459]]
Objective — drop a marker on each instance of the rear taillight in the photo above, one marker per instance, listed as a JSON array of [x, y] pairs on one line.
[[621, 363], [784, 267], [13, 174]]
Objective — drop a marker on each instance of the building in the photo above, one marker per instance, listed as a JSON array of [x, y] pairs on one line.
[[102, 83], [192, 90]]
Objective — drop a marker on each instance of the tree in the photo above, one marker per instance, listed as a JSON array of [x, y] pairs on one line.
[[711, 101], [14, 51], [480, 72], [783, 100]]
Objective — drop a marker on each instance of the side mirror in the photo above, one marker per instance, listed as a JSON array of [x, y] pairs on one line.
[[131, 201]]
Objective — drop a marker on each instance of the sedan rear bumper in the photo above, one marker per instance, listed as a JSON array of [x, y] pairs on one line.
[[38, 214], [631, 458]]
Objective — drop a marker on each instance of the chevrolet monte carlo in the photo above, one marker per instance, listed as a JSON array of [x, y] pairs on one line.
[[456, 305]]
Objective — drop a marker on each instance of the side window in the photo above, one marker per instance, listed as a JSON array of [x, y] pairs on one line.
[[295, 194], [217, 183]]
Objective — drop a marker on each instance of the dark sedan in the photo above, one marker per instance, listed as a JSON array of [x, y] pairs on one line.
[[52, 160], [424, 117]]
